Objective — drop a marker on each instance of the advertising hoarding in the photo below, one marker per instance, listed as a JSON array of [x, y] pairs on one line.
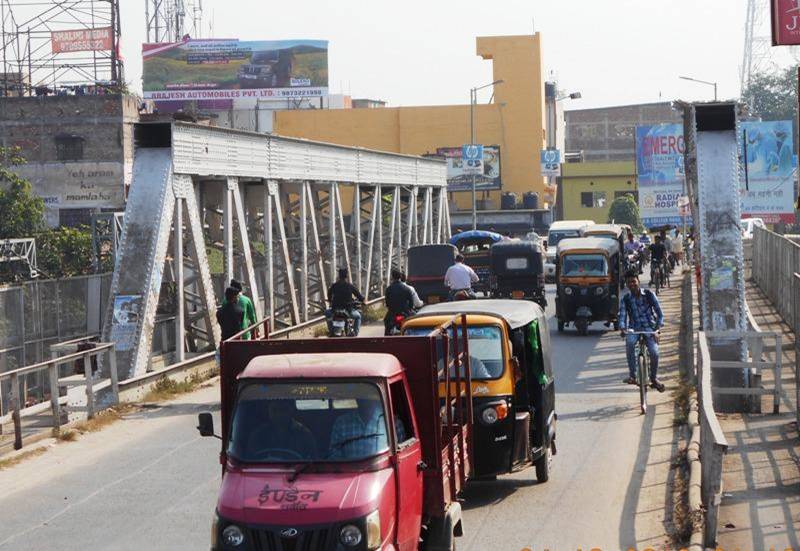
[[767, 183], [472, 159], [660, 173], [785, 22], [229, 69], [459, 180], [550, 160], [81, 40]]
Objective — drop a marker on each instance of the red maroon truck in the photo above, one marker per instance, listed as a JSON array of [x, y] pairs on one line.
[[343, 444]]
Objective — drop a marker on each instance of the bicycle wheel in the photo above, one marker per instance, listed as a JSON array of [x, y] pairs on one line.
[[644, 377], [657, 279]]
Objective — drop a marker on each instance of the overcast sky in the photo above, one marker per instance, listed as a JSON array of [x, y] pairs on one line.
[[422, 52]]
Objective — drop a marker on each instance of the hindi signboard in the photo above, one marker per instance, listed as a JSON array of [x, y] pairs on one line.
[[767, 182], [230, 69], [81, 40], [660, 173], [460, 180], [785, 22]]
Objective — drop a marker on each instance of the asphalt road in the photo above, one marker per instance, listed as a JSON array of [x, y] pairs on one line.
[[150, 482]]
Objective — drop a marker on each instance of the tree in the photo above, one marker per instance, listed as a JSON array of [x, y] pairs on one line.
[[21, 211], [65, 252], [624, 210], [773, 95]]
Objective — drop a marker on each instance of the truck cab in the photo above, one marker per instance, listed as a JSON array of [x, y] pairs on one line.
[[321, 446]]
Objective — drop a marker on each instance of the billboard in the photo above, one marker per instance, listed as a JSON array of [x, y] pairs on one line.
[[785, 22], [767, 182], [457, 177], [550, 161], [660, 173], [197, 70], [81, 40], [472, 159]]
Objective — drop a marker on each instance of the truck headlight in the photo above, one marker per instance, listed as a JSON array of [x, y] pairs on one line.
[[567, 290], [374, 530], [232, 536], [350, 535], [489, 416]]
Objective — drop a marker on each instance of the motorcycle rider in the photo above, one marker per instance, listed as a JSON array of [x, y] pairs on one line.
[[635, 248], [341, 295], [400, 299], [460, 277]]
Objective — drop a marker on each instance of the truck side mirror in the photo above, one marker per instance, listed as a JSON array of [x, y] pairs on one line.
[[205, 424]]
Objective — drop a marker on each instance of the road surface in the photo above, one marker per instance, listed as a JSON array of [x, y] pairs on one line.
[[150, 482]]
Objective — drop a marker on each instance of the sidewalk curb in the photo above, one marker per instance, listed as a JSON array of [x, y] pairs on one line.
[[695, 494]]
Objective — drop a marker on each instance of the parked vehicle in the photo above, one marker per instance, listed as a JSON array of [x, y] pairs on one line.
[[518, 271], [512, 382], [562, 229], [749, 226], [588, 282], [475, 245], [299, 470], [427, 265]]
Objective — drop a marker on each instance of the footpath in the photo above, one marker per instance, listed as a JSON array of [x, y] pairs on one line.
[[760, 508]]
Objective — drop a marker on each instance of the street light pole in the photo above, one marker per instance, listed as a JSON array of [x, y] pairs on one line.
[[472, 94], [714, 84]]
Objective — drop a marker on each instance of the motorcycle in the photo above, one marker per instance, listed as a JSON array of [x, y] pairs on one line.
[[395, 322], [463, 294], [633, 262], [342, 324]]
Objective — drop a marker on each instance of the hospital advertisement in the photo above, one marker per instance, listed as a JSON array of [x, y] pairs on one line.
[[767, 181], [660, 173], [205, 69]]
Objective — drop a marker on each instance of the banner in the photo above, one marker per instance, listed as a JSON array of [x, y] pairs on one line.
[[459, 180], [767, 182], [472, 159], [550, 161], [81, 40], [230, 69], [660, 173], [785, 22]]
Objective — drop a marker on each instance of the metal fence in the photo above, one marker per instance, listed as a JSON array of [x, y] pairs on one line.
[[713, 443], [775, 261]]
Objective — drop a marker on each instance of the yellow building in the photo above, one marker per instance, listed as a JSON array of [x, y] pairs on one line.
[[586, 190], [514, 121]]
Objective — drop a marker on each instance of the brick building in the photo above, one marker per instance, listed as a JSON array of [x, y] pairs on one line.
[[79, 150]]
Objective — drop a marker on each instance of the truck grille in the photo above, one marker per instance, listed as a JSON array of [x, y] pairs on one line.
[[271, 539]]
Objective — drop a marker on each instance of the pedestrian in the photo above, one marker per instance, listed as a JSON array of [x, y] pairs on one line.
[[677, 247], [247, 305], [230, 315]]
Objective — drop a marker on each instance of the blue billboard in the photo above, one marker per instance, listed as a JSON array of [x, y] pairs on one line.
[[767, 182], [660, 173]]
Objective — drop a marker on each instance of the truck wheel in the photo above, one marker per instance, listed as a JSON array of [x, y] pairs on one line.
[[560, 326], [543, 466]]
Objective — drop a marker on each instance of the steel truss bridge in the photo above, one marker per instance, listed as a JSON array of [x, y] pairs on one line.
[[280, 214]]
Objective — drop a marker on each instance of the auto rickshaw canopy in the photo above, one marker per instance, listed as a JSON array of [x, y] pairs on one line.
[[607, 245], [516, 313], [475, 236], [599, 230]]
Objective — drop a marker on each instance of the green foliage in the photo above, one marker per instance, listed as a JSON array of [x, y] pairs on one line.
[[65, 252], [22, 211], [773, 95], [624, 210]]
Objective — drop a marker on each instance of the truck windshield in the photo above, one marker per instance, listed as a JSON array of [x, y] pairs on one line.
[[555, 236], [308, 421], [485, 349], [577, 265]]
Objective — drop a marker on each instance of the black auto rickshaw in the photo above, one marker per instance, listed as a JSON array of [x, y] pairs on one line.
[[517, 271], [588, 282], [427, 265], [475, 245], [512, 381]]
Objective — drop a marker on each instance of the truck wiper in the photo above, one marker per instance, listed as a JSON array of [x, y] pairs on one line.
[[302, 468]]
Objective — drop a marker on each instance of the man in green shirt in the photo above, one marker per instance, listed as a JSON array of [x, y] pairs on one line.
[[247, 305]]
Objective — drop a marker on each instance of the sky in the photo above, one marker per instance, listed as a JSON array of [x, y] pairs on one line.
[[422, 52]]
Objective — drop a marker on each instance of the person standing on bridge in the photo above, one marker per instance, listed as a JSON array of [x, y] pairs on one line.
[[247, 305], [231, 315], [640, 311]]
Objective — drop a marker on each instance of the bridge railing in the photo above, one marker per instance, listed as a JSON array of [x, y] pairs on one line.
[[775, 261], [90, 357], [713, 444]]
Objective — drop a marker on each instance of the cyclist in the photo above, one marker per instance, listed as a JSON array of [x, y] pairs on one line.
[[639, 311], [658, 253]]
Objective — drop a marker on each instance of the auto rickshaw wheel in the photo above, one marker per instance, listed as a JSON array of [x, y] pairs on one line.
[[543, 465], [560, 326]]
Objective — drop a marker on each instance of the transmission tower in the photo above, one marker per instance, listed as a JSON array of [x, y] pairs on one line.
[[757, 41], [171, 20]]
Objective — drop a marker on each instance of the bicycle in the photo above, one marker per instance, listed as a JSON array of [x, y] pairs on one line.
[[666, 268], [642, 366], [657, 276]]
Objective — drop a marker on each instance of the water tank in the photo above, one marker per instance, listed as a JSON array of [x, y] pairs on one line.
[[530, 200], [508, 201]]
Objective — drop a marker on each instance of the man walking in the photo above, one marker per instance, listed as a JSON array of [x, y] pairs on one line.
[[460, 277], [640, 311], [247, 305], [231, 315]]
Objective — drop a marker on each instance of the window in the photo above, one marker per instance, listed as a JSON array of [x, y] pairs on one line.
[[74, 217], [516, 263], [593, 199], [485, 350], [578, 265], [404, 429], [69, 148]]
